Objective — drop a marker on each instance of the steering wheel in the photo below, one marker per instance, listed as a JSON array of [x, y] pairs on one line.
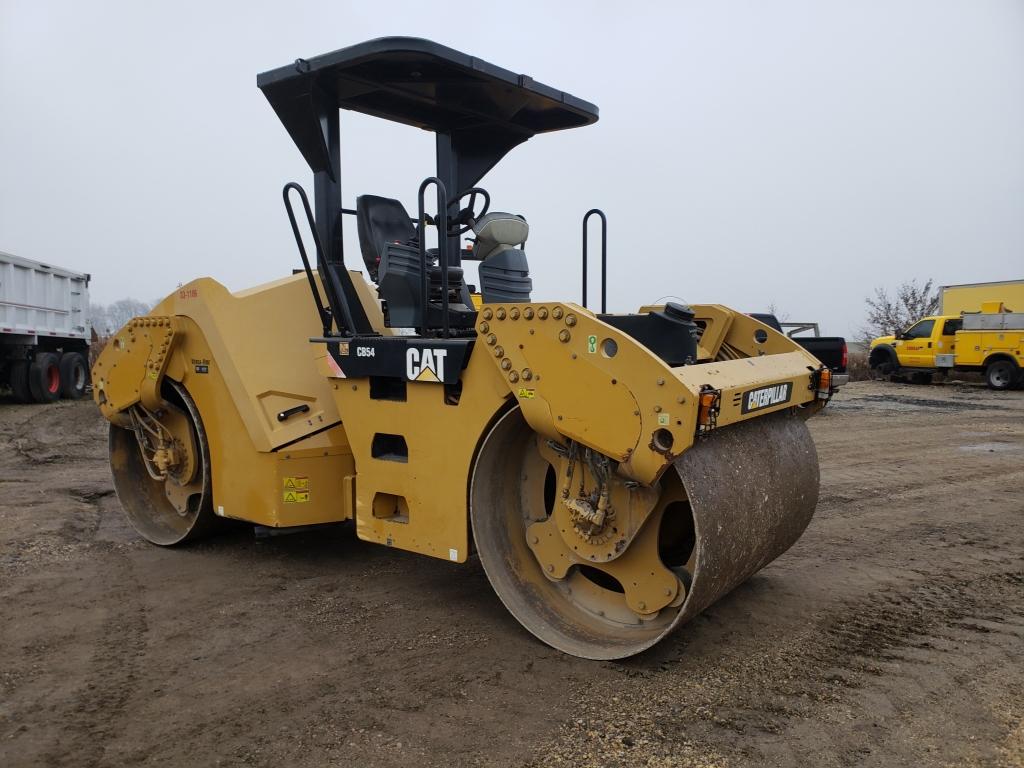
[[465, 218]]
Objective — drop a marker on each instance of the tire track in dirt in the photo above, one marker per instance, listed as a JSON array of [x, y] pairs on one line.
[[747, 707], [49, 454], [889, 635], [113, 672], [910, 632]]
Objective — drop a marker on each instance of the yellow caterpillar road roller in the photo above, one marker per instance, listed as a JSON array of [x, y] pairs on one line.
[[614, 473]]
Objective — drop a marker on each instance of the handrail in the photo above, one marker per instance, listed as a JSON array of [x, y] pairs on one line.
[[322, 311], [441, 222], [604, 257]]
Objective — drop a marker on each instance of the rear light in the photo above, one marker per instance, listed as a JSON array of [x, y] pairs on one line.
[[707, 411], [824, 383], [843, 358]]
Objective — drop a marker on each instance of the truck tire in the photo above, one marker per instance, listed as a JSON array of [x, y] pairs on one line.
[[19, 381], [44, 378], [1000, 374], [883, 362], [74, 375]]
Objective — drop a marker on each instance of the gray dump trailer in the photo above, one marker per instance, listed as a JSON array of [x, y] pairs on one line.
[[44, 330]]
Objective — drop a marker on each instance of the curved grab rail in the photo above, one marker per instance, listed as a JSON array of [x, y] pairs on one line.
[[604, 257], [322, 311], [441, 222]]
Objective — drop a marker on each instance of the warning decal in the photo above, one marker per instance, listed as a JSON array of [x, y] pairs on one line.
[[336, 372], [296, 490]]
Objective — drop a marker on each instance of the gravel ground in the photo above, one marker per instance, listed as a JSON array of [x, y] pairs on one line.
[[890, 635]]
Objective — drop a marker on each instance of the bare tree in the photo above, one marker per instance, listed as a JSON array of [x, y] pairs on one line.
[[110, 318], [98, 316], [773, 309], [888, 315]]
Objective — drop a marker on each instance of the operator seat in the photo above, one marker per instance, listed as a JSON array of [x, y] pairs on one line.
[[379, 221], [389, 243], [504, 271]]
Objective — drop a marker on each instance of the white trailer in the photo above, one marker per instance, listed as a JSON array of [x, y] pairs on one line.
[[44, 330]]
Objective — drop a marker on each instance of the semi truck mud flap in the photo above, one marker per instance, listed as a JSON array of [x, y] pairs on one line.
[[752, 488]]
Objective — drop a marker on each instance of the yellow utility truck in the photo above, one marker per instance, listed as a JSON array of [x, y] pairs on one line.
[[990, 342]]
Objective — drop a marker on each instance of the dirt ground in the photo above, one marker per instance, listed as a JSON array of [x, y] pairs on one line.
[[890, 635]]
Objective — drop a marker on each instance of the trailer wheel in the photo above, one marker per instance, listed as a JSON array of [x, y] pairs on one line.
[[19, 381], [44, 378], [1000, 374], [74, 376]]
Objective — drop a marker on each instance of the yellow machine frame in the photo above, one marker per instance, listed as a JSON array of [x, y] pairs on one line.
[[572, 375]]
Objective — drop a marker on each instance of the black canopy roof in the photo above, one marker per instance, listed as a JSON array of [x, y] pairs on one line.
[[478, 112], [486, 110]]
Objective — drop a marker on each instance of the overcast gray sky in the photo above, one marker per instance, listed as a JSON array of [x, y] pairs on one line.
[[798, 153]]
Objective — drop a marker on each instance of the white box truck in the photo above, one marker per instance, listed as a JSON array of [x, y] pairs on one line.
[[44, 330]]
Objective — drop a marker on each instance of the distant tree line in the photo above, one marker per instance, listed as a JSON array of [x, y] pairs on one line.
[[107, 319]]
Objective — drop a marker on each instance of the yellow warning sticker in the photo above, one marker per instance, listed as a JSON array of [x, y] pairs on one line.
[[296, 497], [299, 483], [527, 394]]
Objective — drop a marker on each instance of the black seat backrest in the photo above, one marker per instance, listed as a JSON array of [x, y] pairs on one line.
[[381, 220]]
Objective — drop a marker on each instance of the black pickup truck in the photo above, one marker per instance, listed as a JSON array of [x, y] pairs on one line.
[[831, 350]]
